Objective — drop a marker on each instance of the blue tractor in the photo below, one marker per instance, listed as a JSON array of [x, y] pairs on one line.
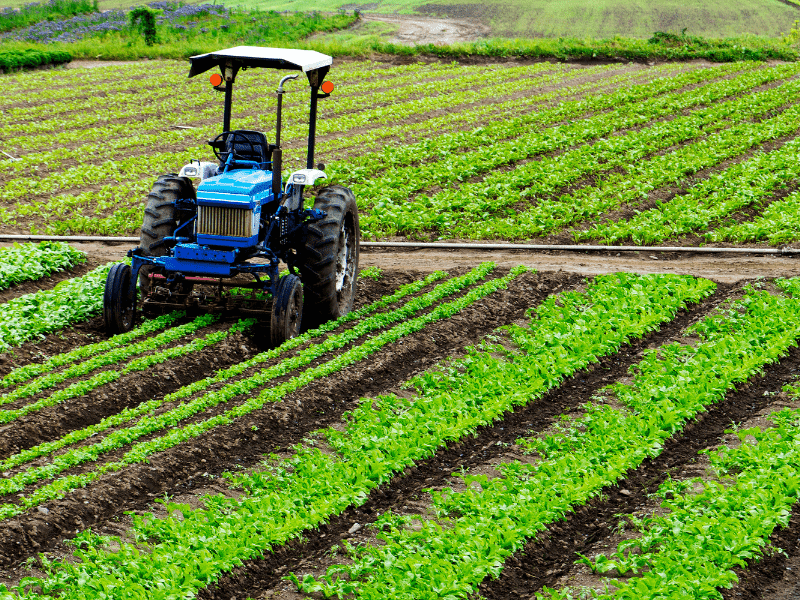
[[218, 247]]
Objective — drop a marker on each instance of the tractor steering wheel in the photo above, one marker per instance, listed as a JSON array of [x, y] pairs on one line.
[[223, 138]]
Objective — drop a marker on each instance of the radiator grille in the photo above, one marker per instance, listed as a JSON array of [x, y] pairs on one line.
[[222, 220]]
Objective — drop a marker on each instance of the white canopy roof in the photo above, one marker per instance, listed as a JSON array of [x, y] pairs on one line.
[[266, 58]]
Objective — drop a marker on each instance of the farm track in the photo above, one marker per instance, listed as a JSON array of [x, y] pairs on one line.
[[294, 417], [262, 578]]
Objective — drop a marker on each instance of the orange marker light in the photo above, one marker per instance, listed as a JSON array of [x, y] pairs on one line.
[[216, 80], [326, 87]]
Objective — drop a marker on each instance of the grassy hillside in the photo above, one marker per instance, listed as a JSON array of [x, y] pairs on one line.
[[582, 18]]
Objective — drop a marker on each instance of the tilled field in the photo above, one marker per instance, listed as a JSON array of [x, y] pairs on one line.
[[490, 449]]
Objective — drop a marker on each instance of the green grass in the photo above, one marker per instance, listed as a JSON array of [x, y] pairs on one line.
[[579, 18]]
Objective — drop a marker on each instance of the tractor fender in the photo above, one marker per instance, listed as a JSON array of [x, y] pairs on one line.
[[199, 170], [305, 177]]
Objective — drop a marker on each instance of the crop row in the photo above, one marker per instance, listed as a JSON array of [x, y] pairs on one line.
[[400, 179], [30, 316], [82, 174], [402, 160], [141, 139], [59, 89], [710, 531], [129, 414], [112, 358], [457, 207], [151, 423], [29, 262], [778, 224], [570, 332], [632, 187], [170, 420], [364, 110], [161, 92], [477, 529], [740, 186], [195, 100]]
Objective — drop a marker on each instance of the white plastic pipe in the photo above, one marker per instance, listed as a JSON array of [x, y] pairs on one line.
[[450, 246]]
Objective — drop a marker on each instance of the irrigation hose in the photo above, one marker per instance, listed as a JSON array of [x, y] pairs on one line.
[[450, 246]]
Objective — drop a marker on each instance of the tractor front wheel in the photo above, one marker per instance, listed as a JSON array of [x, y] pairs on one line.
[[330, 265], [287, 310], [119, 306]]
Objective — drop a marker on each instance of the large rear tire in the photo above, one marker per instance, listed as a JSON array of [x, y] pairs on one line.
[[287, 310], [161, 219], [119, 306], [330, 266]]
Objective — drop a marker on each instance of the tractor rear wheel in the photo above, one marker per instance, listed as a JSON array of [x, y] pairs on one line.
[[119, 306], [287, 310], [330, 257], [161, 219]]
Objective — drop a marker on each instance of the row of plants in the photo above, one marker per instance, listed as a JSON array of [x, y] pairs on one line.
[[69, 459], [141, 138], [398, 87], [711, 527], [151, 423], [29, 165], [631, 188], [381, 437], [149, 407], [110, 196], [28, 58], [746, 184], [459, 206], [29, 317], [778, 224], [474, 531], [447, 154], [29, 262], [113, 358], [31, 370], [61, 93], [175, 434]]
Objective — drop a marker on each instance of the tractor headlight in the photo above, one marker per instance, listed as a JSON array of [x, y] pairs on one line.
[[190, 171], [298, 178]]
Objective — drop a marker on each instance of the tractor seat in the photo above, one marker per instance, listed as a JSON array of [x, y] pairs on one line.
[[259, 151]]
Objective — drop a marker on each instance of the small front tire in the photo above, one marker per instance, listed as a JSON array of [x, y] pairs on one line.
[[287, 310], [119, 307]]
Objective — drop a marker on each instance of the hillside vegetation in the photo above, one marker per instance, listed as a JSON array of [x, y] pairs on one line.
[[580, 18]]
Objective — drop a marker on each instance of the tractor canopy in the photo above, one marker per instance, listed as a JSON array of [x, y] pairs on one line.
[[308, 61]]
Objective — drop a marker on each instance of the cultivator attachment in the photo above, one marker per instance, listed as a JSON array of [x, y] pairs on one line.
[[202, 295]]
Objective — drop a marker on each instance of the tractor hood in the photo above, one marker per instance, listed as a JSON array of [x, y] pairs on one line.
[[241, 188]]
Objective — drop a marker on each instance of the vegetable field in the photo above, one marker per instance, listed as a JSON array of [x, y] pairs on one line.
[[673, 154], [492, 431], [476, 432]]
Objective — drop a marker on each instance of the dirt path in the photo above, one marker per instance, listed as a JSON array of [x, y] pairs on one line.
[[413, 29], [725, 268]]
